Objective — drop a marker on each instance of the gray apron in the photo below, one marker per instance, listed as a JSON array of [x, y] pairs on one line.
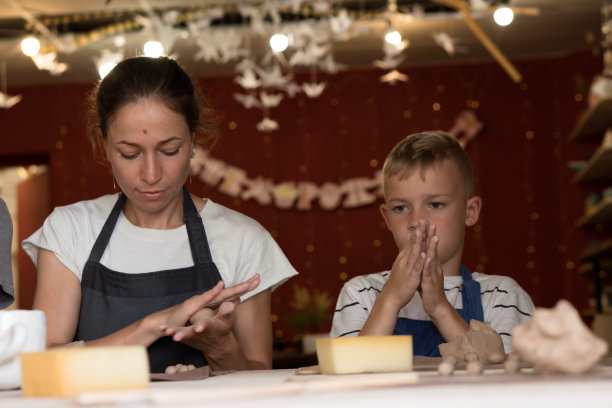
[[112, 300]]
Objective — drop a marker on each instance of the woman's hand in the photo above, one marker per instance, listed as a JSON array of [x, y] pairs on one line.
[[209, 330], [231, 337], [175, 319]]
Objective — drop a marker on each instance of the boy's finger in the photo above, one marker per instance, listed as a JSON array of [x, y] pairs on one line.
[[416, 244], [431, 232], [438, 266], [404, 254], [427, 271], [433, 246], [417, 269]]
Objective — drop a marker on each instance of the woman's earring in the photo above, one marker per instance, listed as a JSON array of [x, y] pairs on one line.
[[114, 185], [192, 156]]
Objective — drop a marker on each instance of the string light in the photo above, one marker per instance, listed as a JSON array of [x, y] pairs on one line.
[[393, 37], [119, 40], [30, 46], [503, 16], [105, 68], [279, 42], [153, 49]]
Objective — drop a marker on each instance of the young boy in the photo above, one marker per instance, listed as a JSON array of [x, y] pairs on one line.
[[429, 200]]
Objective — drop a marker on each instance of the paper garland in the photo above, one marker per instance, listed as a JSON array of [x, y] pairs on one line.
[[233, 181], [300, 195]]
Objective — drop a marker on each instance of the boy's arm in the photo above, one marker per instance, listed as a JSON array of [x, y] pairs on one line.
[[449, 322], [382, 318]]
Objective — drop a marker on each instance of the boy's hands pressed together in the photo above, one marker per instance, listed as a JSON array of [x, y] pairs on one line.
[[406, 273], [403, 282], [416, 268]]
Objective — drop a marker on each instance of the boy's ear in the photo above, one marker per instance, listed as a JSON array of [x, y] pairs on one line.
[[472, 211], [383, 212]]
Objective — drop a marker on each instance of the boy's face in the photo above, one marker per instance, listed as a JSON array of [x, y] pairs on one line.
[[441, 199]]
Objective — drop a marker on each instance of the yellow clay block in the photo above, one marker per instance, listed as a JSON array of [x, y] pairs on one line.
[[69, 371], [363, 354]]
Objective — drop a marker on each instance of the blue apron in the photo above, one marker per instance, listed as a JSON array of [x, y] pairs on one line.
[[112, 300], [425, 334]]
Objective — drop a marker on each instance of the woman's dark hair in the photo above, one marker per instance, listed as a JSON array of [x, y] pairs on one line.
[[144, 77]]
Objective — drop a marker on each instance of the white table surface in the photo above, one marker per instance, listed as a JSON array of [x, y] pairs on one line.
[[285, 389]]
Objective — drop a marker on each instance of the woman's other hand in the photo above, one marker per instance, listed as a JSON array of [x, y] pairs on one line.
[[178, 316]]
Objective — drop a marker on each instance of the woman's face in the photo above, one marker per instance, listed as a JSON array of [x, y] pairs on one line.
[[149, 147]]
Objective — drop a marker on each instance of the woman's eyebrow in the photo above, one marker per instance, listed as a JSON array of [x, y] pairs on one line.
[[132, 144]]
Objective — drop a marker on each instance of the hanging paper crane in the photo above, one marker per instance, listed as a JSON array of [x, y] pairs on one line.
[[6, 101]]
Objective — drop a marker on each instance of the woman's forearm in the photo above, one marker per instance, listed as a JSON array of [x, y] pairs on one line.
[[142, 332]]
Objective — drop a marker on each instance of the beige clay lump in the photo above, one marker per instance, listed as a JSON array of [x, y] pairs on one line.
[[557, 341], [478, 345]]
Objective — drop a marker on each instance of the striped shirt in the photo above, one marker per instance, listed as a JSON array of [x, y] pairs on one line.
[[505, 304]]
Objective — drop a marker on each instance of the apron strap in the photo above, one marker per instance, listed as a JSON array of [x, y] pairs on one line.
[[107, 230], [198, 242], [472, 303]]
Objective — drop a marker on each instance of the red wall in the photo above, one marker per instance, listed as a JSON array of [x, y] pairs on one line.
[[520, 161], [33, 203]]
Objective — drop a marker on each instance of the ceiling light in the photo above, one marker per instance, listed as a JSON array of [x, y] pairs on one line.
[[119, 41], [30, 46], [153, 49], [503, 16], [105, 68], [107, 61], [393, 37], [279, 42]]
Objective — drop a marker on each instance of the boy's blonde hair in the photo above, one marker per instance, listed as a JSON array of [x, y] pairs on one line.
[[422, 151]]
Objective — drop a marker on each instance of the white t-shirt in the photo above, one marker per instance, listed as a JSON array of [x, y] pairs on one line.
[[504, 303], [240, 247]]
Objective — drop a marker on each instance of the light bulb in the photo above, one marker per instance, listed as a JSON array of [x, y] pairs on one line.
[[30, 46], [393, 37], [105, 68], [119, 41], [503, 16], [153, 49], [279, 42]]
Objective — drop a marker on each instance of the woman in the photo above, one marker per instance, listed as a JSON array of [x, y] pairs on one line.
[[133, 268]]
